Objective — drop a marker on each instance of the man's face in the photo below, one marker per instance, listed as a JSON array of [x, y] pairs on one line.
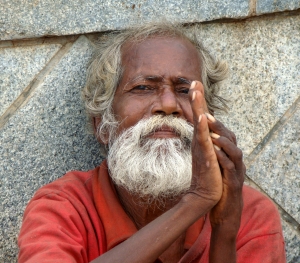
[[156, 78], [150, 152]]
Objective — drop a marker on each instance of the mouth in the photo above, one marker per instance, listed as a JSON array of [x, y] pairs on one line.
[[163, 132]]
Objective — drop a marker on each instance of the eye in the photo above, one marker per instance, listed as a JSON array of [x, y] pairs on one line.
[[183, 90], [141, 87]]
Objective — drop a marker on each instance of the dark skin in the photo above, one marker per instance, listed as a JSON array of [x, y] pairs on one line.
[[157, 78]]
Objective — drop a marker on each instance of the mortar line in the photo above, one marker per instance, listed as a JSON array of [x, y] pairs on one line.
[[252, 7], [246, 18], [26, 94], [37, 41], [272, 133], [250, 17]]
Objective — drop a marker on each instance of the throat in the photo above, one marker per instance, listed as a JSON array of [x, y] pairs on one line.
[[142, 213], [140, 210]]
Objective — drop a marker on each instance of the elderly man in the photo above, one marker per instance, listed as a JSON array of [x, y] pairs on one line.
[[171, 189]]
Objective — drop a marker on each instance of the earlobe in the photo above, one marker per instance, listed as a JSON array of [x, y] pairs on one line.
[[96, 122]]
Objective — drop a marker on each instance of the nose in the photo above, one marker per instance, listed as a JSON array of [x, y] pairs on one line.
[[167, 103]]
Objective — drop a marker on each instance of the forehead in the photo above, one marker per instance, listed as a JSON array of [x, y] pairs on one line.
[[162, 56]]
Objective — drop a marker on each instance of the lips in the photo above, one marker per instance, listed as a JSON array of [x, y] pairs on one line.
[[165, 129], [163, 132]]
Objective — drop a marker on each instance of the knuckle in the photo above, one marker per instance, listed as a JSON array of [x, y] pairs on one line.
[[238, 154], [242, 178], [236, 185], [233, 137], [230, 167]]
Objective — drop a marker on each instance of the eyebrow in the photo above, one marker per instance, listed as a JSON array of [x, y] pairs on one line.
[[158, 78], [154, 78], [181, 80]]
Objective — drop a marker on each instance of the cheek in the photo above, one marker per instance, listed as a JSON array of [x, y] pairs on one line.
[[187, 110], [130, 112]]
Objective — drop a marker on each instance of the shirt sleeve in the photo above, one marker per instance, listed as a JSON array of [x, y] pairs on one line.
[[53, 230]]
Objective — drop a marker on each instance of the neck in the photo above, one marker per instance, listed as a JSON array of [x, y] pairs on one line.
[[140, 211]]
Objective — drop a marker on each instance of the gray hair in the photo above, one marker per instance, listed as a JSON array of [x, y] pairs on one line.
[[105, 70]]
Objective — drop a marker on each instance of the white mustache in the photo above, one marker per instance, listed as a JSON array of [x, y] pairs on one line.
[[158, 122]]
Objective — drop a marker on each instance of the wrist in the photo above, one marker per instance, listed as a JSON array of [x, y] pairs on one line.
[[227, 232], [197, 204]]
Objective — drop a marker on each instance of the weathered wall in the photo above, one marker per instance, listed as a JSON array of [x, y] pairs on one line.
[[43, 131]]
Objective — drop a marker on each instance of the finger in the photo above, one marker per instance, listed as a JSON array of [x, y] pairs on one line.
[[201, 130], [233, 154], [231, 174], [219, 128], [198, 86], [232, 151]]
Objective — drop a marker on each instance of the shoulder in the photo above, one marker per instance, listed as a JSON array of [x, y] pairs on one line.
[[260, 237], [260, 215], [72, 193], [61, 222], [256, 202], [72, 183]]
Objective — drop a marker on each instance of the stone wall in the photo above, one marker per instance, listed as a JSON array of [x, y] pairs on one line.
[[44, 50]]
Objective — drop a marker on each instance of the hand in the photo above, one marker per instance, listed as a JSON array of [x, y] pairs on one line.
[[206, 175], [228, 210]]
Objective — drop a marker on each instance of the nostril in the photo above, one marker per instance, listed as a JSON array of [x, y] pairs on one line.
[[159, 112]]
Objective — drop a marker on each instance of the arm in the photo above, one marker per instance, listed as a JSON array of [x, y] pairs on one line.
[[225, 217]]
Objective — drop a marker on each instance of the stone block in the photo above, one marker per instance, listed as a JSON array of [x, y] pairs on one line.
[[27, 19], [292, 242], [264, 60], [43, 140], [277, 167], [47, 137], [18, 67], [271, 6]]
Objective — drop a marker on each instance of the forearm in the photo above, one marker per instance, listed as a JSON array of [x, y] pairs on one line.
[[222, 245], [153, 239]]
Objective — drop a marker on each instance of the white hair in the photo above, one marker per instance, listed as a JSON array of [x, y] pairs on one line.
[[153, 168]]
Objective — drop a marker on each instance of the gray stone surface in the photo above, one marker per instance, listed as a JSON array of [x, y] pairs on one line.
[[292, 242], [23, 19], [18, 67], [264, 58], [48, 135], [277, 168], [45, 139], [271, 6]]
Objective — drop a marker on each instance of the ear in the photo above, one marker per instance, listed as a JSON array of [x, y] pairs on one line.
[[96, 122]]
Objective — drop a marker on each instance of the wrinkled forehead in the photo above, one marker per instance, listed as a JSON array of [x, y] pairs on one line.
[[161, 56]]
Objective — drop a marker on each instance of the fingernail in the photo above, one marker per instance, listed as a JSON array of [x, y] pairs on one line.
[[200, 117], [214, 135], [194, 95], [193, 85], [217, 147], [210, 117]]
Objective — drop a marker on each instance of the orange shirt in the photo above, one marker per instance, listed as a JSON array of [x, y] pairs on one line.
[[79, 217]]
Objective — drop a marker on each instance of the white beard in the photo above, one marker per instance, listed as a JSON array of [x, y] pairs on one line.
[[152, 168]]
